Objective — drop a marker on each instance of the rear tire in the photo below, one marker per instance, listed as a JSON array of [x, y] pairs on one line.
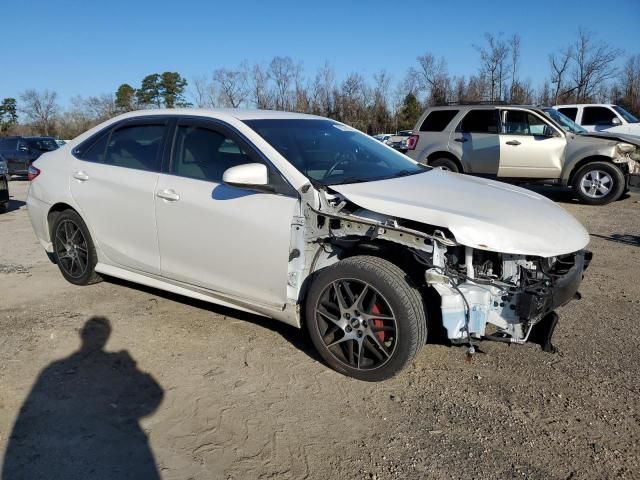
[[598, 183], [376, 326], [445, 164], [73, 249]]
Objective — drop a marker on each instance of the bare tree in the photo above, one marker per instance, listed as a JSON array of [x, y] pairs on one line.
[[101, 107], [352, 101], [231, 86], [515, 61], [302, 99], [282, 72], [204, 92], [380, 117], [629, 87], [261, 94], [560, 63], [432, 77], [594, 64], [494, 63], [40, 108], [322, 92]]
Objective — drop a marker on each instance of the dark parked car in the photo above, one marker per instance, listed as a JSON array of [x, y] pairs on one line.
[[20, 152], [4, 184]]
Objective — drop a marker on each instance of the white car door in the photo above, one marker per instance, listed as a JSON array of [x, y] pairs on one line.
[[529, 146], [602, 119], [225, 239], [113, 182]]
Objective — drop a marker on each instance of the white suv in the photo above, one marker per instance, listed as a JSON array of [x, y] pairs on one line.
[[602, 118], [308, 221]]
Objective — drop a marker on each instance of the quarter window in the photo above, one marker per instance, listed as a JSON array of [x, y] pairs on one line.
[[95, 153], [135, 146], [438, 120], [204, 154], [597, 116], [480, 121], [570, 112]]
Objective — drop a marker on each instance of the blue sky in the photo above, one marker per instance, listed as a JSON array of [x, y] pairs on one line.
[[90, 47]]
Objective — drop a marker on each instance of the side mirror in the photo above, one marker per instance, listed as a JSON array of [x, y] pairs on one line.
[[548, 131], [250, 175], [615, 121]]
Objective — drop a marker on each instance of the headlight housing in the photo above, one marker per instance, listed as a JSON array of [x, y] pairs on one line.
[[3, 167], [625, 148]]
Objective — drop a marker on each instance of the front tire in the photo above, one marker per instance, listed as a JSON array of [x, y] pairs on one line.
[[445, 164], [598, 183], [365, 318], [73, 249]]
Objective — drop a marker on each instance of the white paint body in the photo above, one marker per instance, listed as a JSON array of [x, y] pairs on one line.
[[232, 247]]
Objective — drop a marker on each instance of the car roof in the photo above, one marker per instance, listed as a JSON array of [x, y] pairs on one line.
[[237, 113], [482, 105], [585, 105]]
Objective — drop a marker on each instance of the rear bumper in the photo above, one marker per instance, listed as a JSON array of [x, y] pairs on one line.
[[37, 211]]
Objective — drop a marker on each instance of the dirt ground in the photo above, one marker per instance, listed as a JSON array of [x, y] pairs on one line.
[[187, 390]]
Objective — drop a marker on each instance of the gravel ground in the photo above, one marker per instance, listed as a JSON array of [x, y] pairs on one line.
[[187, 390]]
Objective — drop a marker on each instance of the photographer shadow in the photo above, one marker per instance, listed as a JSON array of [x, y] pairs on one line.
[[81, 418]]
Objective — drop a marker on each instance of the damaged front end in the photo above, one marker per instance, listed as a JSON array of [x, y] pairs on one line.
[[627, 157], [502, 297], [483, 294]]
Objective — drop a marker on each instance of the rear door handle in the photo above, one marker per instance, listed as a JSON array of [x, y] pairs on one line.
[[169, 195], [460, 139], [513, 142], [81, 176]]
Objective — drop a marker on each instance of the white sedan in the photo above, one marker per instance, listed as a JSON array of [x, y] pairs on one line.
[[308, 221]]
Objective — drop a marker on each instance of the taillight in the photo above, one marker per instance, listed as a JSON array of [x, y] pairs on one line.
[[412, 142], [33, 172]]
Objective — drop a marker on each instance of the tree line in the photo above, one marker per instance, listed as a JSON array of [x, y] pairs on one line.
[[586, 70]]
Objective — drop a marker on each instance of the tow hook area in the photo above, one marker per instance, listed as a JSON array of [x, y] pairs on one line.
[[543, 331]]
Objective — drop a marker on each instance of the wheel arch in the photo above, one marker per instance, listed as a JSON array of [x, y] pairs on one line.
[[55, 210], [581, 163], [445, 154]]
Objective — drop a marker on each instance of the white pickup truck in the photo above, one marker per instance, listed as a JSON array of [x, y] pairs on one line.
[[602, 118]]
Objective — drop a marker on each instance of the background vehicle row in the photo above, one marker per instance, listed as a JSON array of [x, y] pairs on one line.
[[522, 144]]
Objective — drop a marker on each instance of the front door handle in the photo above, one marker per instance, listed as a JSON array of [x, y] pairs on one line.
[[169, 195], [513, 142], [81, 176], [460, 139]]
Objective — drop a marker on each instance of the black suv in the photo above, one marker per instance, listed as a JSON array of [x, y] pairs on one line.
[[20, 152]]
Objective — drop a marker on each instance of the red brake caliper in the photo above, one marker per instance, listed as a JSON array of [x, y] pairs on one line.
[[378, 323]]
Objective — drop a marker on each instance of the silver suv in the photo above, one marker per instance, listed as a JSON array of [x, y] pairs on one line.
[[523, 144]]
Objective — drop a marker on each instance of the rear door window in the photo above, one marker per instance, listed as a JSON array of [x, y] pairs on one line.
[[9, 144], [597, 116], [571, 112], [481, 121], [136, 146], [42, 144], [438, 120]]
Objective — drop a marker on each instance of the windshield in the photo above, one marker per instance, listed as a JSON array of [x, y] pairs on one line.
[[626, 115], [565, 122], [331, 153]]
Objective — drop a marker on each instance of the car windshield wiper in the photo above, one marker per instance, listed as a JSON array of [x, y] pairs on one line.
[[354, 180]]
